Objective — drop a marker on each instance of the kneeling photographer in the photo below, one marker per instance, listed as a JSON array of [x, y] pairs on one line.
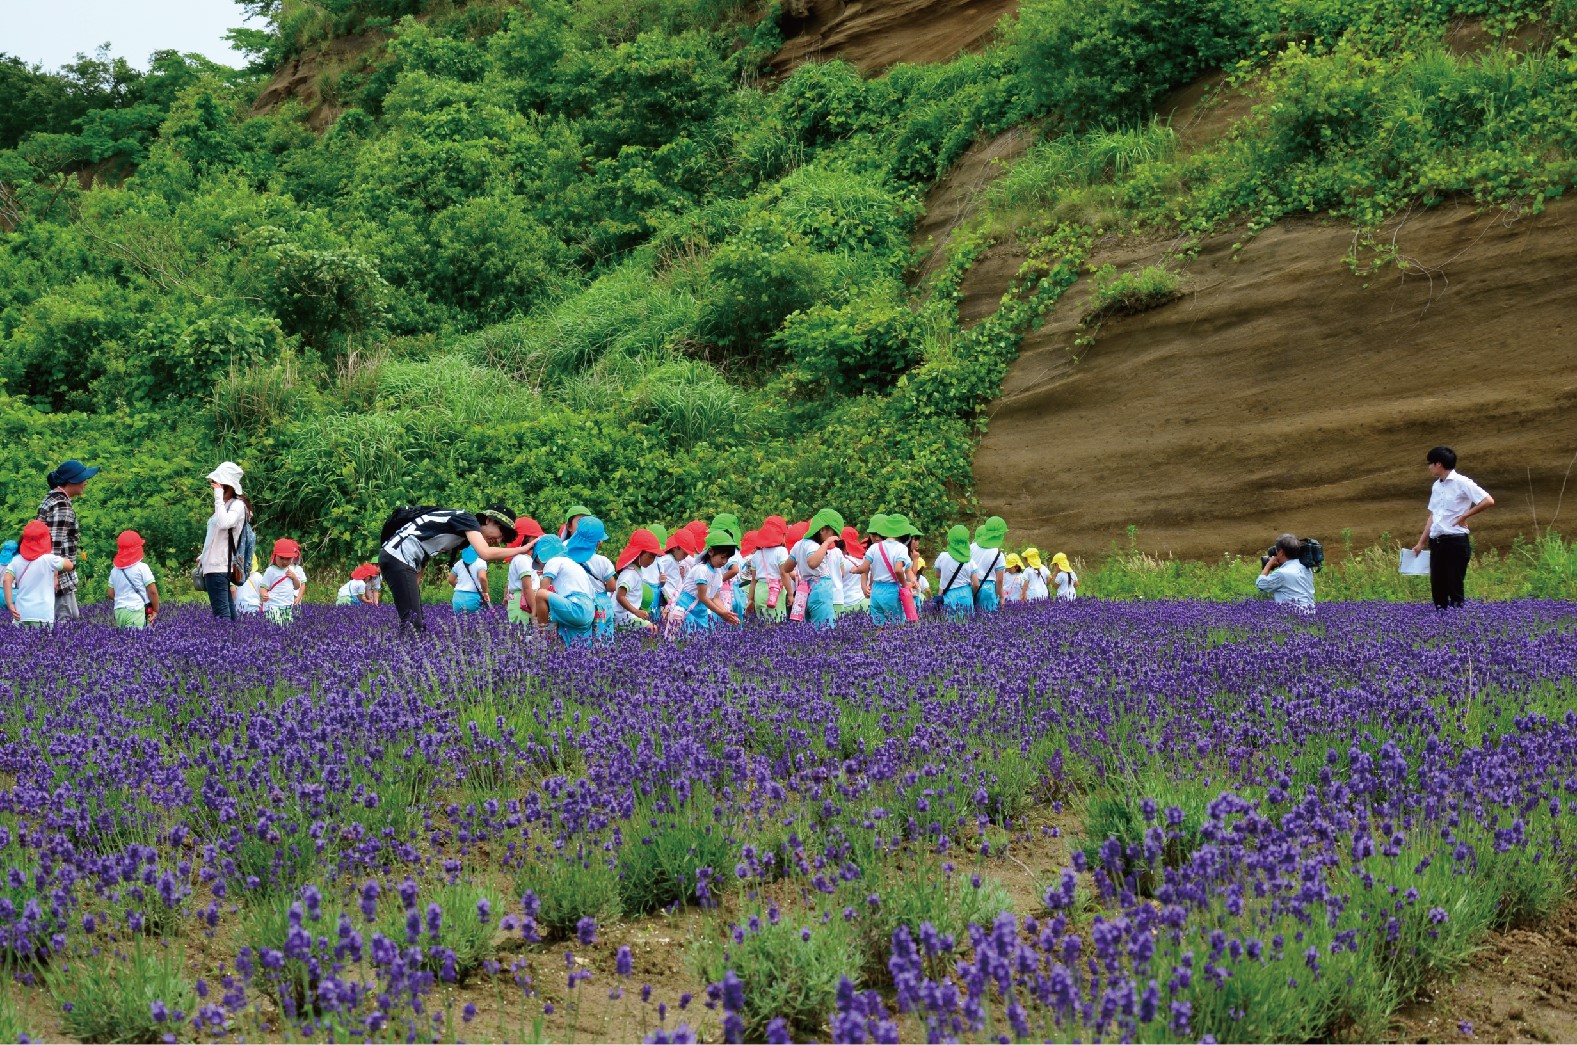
[[1286, 576]]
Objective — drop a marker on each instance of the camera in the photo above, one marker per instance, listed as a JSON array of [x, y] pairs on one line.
[[1310, 553]]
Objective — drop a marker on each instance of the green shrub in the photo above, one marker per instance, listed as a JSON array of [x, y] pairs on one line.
[[1131, 292], [919, 894], [861, 346], [673, 857], [758, 278], [788, 967], [570, 888], [113, 996]]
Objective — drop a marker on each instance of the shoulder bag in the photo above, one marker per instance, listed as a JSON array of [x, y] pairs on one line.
[[905, 594]]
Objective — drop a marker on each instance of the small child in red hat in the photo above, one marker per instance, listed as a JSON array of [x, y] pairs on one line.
[[284, 582], [131, 584], [29, 578]]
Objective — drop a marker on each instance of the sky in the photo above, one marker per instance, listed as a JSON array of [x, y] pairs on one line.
[[52, 32]]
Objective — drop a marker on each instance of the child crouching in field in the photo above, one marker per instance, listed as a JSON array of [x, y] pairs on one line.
[[284, 583], [635, 598], [700, 604], [567, 596], [520, 584], [362, 589], [131, 584], [30, 578]]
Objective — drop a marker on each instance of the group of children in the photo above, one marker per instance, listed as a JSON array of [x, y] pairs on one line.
[[705, 574]]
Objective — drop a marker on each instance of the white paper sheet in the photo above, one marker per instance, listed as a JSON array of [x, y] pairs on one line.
[[1415, 565]]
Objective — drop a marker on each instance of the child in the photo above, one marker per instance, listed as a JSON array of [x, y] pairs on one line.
[[958, 574], [633, 595], [8, 552], [1036, 577], [521, 582], [766, 566], [29, 579], [131, 584], [1013, 583], [469, 581], [730, 586], [248, 595], [855, 574], [362, 589], [987, 553], [922, 583], [810, 567], [581, 548], [1064, 578], [671, 566], [566, 597], [284, 582], [745, 583], [889, 564], [700, 598]]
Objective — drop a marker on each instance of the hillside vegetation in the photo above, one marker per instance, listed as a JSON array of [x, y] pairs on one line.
[[552, 252]]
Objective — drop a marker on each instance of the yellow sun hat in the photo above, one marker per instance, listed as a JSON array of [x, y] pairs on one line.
[[1060, 560], [1032, 558]]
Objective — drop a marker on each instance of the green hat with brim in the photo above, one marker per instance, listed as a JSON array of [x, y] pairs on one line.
[[822, 519], [716, 538], [574, 510], [660, 532], [729, 523], [958, 543], [992, 532], [893, 526]]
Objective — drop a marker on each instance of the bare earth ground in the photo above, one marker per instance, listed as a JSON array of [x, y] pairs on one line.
[[1281, 391], [874, 34], [1521, 987]]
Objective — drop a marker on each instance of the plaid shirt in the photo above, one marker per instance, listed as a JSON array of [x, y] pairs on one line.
[[57, 514]]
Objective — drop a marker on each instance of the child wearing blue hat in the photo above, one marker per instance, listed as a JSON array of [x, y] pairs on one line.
[[468, 578], [566, 598]]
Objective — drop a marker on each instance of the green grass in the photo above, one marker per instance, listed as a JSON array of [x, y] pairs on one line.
[[113, 995]]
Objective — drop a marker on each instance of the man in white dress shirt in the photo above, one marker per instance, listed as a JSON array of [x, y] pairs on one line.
[[1453, 500], [1284, 576]]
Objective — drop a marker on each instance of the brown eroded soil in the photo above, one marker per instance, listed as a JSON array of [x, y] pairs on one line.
[[874, 34], [1521, 987], [1283, 392]]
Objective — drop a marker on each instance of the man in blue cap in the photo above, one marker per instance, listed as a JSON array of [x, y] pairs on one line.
[[65, 483]]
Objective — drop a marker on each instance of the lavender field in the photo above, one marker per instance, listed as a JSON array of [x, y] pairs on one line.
[[1115, 821]]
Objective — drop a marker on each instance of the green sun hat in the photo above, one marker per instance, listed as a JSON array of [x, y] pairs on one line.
[[717, 538], [992, 532], [900, 520], [958, 543], [573, 510], [660, 532], [892, 526], [825, 517], [729, 523]]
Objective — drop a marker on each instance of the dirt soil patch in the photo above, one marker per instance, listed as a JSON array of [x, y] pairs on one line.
[[1284, 392], [874, 34], [1521, 987]]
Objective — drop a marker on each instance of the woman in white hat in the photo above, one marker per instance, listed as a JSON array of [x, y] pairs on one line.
[[222, 548]]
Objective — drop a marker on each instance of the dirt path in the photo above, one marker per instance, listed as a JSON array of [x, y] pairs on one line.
[[1281, 391], [1521, 987]]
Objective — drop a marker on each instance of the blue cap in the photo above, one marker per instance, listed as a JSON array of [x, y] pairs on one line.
[[468, 556], [73, 471], [589, 533], [548, 547], [7, 552]]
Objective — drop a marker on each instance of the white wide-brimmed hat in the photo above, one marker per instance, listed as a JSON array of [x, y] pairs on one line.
[[228, 474]]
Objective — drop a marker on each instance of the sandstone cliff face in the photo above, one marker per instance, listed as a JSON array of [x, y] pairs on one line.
[[874, 34]]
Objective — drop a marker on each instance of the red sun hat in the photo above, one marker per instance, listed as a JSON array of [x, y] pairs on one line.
[[697, 528], [364, 572], [526, 528], [773, 532], [35, 541], [851, 543], [797, 532], [285, 548], [747, 543], [128, 548], [640, 541]]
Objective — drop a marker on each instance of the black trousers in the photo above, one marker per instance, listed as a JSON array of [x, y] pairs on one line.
[[1448, 557], [405, 586]]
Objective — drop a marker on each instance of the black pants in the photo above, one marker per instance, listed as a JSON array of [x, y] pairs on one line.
[[405, 586], [217, 585], [1448, 557]]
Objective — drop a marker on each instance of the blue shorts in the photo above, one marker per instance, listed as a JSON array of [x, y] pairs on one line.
[[819, 609], [574, 614], [885, 607], [988, 601], [466, 601]]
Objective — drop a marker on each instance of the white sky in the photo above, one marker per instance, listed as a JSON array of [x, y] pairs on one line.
[[51, 32]]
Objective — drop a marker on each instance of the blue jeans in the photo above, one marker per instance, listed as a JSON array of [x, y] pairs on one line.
[[217, 585]]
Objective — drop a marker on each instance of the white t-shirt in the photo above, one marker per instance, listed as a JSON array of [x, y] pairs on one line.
[[985, 558], [897, 552], [968, 570], [33, 591], [280, 585], [653, 574], [840, 564], [352, 589], [699, 573], [468, 576], [1067, 585], [1449, 498], [853, 585], [130, 585], [520, 571], [735, 562], [1037, 579], [671, 571], [766, 562], [601, 567], [631, 583], [802, 553], [1013, 586], [569, 578], [247, 599]]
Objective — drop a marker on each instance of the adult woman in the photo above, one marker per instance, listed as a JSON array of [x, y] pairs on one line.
[[412, 536], [222, 544]]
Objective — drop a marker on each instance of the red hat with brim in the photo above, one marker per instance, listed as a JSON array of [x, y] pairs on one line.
[[128, 548], [640, 541], [773, 532], [35, 541], [851, 543], [797, 532], [748, 543], [285, 548], [365, 571], [526, 529]]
